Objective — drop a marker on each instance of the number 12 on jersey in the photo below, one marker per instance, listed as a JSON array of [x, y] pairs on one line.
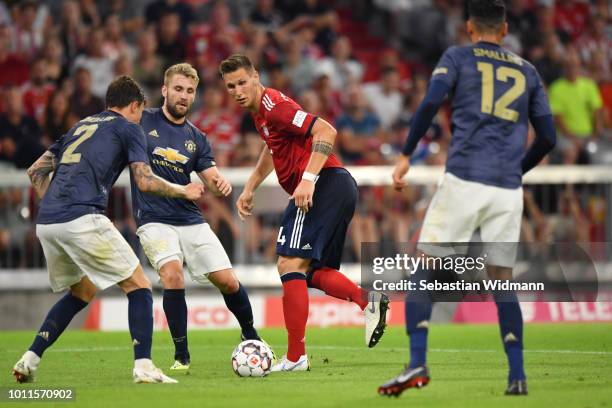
[[500, 108]]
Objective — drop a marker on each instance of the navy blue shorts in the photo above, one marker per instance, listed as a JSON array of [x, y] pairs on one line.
[[320, 233]]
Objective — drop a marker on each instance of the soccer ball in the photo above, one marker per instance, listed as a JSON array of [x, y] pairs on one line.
[[252, 358]]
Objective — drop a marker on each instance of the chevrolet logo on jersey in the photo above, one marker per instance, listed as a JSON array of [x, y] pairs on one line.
[[171, 155]]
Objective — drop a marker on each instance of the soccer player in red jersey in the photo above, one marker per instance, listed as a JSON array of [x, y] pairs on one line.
[[299, 147]]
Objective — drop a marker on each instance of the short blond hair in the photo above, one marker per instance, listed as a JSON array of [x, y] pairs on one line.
[[184, 69]]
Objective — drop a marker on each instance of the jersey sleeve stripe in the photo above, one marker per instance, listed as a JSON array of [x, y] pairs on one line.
[[266, 105]]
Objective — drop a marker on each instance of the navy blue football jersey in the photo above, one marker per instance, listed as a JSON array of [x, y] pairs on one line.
[[89, 159], [174, 152], [493, 95]]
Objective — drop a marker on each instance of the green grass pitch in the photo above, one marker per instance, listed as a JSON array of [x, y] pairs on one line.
[[568, 365]]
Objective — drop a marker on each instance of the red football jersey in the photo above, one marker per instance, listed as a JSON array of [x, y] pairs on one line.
[[285, 128]]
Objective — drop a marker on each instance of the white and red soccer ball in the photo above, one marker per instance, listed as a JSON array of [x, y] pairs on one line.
[[252, 358]]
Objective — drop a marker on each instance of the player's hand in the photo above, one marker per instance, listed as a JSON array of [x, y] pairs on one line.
[[245, 204], [303, 195], [193, 191], [223, 185], [401, 168]]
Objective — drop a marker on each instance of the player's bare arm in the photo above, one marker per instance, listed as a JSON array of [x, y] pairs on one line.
[[323, 138], [215, 182], [263, 168], [148, 182], [401, 169], [40, 171]]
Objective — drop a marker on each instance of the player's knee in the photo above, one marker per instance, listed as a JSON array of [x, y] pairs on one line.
[[172, 280], [286, 265], [230, 286]]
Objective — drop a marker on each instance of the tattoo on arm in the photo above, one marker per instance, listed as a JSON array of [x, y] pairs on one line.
[[323, 147], [150, 183], [39, 172]]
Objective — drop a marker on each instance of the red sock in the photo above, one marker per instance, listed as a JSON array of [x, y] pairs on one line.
[[334, 283], [295, 311]]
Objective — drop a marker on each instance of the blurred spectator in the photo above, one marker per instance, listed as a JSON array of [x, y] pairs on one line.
[[315, 13], [522, 21], [15, 227], [99, 66], [149, 71], [569, 223], [115, 44], [83, 102], [298, 68], [596, 49], [359, 130], [571, 17], [156, 10], [28, 31], [53, 56], [309, 100], [220, 124], [57, 117], [265, 15], [548, 58], [20, 135], [72, 30], [577, 105], [170, 44], [124, 66], [384, 97], [329, 99], [129, 12], [15, 69], [218, 38], [37, 90], [340, 67], [89, 13]]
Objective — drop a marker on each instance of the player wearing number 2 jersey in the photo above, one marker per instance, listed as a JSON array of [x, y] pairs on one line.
[[495, 94], [84, 251], [299, 147]]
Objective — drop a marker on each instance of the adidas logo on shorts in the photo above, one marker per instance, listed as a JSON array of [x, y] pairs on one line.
[[306, 247]]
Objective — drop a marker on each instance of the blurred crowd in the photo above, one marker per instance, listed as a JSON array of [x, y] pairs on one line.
[[362, 65]]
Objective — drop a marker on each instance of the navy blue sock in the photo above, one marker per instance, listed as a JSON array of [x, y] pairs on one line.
[[175, 308], [238, 303], [418, 314], [418, 307], [511, 329], [140, 320], [56, 321]]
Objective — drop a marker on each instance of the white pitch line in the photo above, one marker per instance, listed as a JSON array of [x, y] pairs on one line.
[[280, 346]]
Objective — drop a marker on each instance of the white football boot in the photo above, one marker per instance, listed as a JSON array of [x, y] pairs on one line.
[[303, 364], [375, 317], [24, 370], [147, 373]]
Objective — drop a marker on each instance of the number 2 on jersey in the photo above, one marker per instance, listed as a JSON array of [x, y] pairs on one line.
[[501, 105], [86, 131]]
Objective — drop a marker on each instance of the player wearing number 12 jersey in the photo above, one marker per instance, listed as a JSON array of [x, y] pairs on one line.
[[299, 147], [495, 94]]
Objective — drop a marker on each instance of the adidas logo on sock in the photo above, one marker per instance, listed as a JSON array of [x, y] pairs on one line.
[[44, 335], [136, 342], [153, 133], [510, 337], [306, 247], [423, 324]]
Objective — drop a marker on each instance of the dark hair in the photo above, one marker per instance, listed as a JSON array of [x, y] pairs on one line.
[[488, 15], [123, 91], [234, 63]]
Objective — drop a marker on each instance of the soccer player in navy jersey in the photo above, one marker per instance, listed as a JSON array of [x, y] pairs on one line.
[[323, 194], [495, 94], [172, 229], [84, 251]]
